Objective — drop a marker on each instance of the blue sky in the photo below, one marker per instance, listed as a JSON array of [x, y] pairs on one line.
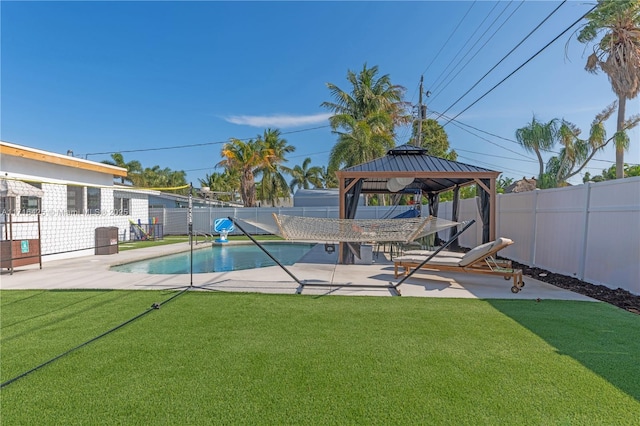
[[151, 78]]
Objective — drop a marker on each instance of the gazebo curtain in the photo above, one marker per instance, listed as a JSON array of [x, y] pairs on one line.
[[485, 214], [434, 200], [351, 198], [454, 216]]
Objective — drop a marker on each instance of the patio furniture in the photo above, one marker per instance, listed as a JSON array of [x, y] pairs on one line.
[[479, 260]]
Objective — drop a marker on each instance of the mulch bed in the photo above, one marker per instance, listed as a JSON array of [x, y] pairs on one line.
[[619, 297]]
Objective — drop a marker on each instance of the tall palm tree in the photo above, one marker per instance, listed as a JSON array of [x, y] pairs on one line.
[[274, 185], [372, 100], [359, 143], [245, 158], [536, 137], [133, 167], [614, 26], [305, 176]]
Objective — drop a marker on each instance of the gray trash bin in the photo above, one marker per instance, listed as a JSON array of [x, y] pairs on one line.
[[107, 240]]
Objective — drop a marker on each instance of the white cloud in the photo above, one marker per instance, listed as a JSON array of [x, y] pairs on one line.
[[281, 121]]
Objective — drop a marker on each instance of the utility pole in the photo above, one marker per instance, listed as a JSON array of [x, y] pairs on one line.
[[419, 135]]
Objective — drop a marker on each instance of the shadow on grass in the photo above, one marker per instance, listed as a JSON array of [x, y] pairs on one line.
[[603, 338], [59, 314]]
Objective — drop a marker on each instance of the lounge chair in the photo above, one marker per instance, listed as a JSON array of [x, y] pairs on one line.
[[421, 254], [479, 260]]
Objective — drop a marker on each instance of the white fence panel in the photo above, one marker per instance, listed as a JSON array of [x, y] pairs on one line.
[[559, 229], [516, 221], [612, 252], [468, 210]]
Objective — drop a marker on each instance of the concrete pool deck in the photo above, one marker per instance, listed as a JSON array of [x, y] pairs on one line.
[[316, 267]]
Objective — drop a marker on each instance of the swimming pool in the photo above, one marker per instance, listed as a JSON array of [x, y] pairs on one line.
[[219, 258]]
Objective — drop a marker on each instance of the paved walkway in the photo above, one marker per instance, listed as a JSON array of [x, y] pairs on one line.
[[317, 267]]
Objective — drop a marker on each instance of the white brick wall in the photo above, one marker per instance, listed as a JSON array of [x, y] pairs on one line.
[[66, 235]]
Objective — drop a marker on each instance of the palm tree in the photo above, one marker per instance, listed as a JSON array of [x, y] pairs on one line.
[[274, 185], [360, 142], [245, 158], [133, 167], [616, 23], [328, 178], [576, 153], [536, 137], [224, 182], [305, 176], [372, 100]]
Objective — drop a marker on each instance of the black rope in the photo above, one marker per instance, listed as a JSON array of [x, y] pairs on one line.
[[152, 308]]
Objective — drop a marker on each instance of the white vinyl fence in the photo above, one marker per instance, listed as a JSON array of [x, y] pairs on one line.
[[590, 232]]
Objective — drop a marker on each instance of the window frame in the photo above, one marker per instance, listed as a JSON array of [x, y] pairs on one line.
[[11, 208], [78, 192], [26, 208], [121, 205], [94, 200]]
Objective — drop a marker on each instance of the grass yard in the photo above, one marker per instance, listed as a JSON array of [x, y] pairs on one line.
[[172, 239], [221, 358]]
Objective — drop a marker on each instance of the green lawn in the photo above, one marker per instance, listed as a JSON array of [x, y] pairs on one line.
[[220, 358], [172, 239]]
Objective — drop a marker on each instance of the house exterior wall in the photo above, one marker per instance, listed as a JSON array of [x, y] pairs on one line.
[[64, 234]]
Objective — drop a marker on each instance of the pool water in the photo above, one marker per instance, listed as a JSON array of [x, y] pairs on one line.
[[219, 258]]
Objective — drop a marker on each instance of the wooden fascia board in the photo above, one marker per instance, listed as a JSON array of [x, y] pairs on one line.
[[63, 161], [432, 175]]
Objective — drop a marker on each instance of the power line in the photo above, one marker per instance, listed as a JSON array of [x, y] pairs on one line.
[[509, 140], [470, 37], [497, 156], [523, 64], [448, 39], [487, 140], [493, 166], [451, 79], [196, 144], [516, 142], [505, 57]]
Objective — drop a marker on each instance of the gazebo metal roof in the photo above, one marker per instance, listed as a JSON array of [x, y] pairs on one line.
[[431, 174]]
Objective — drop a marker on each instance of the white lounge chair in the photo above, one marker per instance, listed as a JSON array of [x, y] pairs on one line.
[[479, 260]]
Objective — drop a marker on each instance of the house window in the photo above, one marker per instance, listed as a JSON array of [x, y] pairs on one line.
[[7, 205], [93, 200], [29, 205], [121, 206], [74, 199]]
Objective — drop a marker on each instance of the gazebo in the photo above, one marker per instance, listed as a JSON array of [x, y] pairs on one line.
[[408, 167]]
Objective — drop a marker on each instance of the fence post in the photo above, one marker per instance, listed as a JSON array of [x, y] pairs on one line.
[[585, 221], [498, 229], [534, 238]]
